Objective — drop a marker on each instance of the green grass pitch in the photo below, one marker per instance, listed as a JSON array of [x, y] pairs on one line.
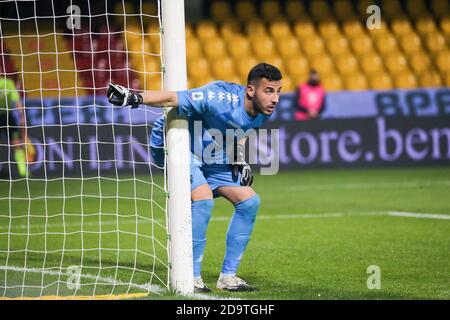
[[316, 234]]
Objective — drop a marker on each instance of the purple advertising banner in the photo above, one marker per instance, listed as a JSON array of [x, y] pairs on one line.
[[89, 150], [365, 142]]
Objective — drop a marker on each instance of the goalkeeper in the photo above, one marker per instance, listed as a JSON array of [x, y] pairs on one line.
[[221, 106], [12, 120]]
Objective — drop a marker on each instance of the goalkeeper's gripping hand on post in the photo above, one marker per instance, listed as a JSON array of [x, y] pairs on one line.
[[121, 96], [240, 165]]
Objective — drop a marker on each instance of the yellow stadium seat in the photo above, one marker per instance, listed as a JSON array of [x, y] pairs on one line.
[[297, 66], [263, 47], [276, 61], [361, 44], [361, 7], [313, 46], [255, 27], [206, 30], [141, 46], [221, 11], [139, 60], [425, 25], [352, 27], [445, 25], [152, 29], [150, 74], [239, 46], [319, 9], [197, 83], [347, 64], [328, 29], [343, 9], [405, 80], [149, 10], [401, 26], [410, 43], [287, 84], [356, 81], [386, 43], [332, 82], [435, 42], [338, 45], [371, 63], [155, 44], [443, 61], [152, 65], [322, 63], [246, 10], [391, 8], [447, 38], [430, 79], [380, 81], [133, 34], [280, 29], [215, 48], [193, 48], [198, 68], [378, 32], [299, 79], [415, 8], [447, 80], [271, 10], [124, 8], [245, 64], [288, 47], [295, 10], [396, 62], [230, 29], [223, 68], [440, 8], [419, 62], [189, 30], [304, 29]]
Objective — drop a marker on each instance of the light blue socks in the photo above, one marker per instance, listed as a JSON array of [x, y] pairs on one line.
[[201, 213], [239, 231]]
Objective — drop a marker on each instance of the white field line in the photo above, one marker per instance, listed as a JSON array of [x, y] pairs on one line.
[[132, 221], [147, 287], [373, 185], [419, 215]]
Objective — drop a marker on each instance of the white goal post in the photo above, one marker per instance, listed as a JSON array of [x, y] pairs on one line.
[[85, 212], [177, 139]]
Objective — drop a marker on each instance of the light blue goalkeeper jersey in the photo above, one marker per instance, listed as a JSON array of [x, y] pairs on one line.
[[213, 108]]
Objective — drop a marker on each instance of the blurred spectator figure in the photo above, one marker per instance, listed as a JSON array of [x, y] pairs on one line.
[[310, 98], [12, 124]]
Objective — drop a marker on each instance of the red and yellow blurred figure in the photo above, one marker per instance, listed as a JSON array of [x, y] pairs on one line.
[[310, 98], [12, 122]]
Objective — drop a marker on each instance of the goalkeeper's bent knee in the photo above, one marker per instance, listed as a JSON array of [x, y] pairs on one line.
[[248, 208]]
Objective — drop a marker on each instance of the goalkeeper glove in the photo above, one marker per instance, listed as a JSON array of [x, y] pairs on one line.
[[240, 165], [121, 96]]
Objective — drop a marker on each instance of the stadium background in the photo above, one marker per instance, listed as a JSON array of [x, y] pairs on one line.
[[388, 105], [400, 71]]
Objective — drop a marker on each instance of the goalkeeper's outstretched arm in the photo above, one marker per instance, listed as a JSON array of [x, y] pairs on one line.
[[121, 96]]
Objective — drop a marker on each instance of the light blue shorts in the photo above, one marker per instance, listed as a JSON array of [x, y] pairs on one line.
[[215, 175]]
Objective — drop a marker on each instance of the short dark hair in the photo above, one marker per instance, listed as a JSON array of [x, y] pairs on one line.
[[264, 70]]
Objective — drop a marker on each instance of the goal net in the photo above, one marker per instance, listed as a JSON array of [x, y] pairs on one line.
[[83, 207]]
